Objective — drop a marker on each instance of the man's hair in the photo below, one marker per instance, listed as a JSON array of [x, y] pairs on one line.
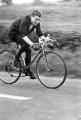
[[37, 13]]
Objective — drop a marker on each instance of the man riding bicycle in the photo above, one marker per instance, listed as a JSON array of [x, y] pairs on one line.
[[19, 32]]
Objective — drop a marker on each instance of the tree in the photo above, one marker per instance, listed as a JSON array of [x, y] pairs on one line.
[[8, 2], [38, 2], [67, 0]]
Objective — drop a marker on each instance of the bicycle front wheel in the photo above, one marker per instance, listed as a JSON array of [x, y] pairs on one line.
[[9, 72], [51, 70]]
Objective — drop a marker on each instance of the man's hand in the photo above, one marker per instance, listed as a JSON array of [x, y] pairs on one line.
[[36, 46]]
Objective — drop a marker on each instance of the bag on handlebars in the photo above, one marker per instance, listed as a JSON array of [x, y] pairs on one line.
[[50, 45]]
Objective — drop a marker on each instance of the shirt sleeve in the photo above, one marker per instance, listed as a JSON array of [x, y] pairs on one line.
[[24, 26], [38, 30]]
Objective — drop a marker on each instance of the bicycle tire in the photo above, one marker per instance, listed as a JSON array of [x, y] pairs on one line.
[[56, 75], [9, 74]]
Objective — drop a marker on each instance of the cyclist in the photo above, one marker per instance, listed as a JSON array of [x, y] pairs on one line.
[[19, 32]]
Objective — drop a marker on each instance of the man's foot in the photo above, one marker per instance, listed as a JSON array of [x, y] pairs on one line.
[[32, 76], [30, 73], [26, 73]]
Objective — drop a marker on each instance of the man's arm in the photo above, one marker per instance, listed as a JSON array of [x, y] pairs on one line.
[[24, 26], [28, 41], [38, 30], [35, 46]]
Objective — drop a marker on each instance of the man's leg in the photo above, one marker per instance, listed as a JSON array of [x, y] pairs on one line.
[[22, 43], [28, 55], [25, 48], [27, 61], [21, 50]]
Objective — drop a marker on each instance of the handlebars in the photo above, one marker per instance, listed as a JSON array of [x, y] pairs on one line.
[[45, 41]]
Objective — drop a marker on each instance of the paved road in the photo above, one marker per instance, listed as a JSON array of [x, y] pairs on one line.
[[46, 104]]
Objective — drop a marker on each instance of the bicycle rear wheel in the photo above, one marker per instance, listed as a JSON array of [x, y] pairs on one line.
[[51, 70], [8, 72]]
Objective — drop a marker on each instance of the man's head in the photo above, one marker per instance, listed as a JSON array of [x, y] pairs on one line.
[[35, 17]]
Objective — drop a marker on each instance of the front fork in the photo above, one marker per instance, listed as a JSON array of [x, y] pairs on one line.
[[47, 65]]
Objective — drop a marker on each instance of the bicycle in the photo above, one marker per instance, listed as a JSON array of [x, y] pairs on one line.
[[50, 70]]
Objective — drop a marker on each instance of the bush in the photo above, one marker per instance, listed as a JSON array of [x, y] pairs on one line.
[[4, 35], [8, 2]]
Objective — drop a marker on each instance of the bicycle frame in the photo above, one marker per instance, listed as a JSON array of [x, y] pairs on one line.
[[38, 53], [41, 51]]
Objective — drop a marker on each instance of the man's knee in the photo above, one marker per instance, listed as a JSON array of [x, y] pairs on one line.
[[12, 37]]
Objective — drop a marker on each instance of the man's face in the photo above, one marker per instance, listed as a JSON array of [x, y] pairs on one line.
[[35, 20]]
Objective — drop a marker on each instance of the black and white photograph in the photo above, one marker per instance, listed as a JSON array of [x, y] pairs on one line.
[[40, 59]]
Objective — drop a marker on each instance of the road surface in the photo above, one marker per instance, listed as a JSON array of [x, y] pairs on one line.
[[29, 100]]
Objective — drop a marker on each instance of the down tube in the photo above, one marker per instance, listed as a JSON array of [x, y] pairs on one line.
[[34, 58]]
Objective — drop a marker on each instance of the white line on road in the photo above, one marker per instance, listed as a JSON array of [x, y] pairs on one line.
[[15, 97]]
